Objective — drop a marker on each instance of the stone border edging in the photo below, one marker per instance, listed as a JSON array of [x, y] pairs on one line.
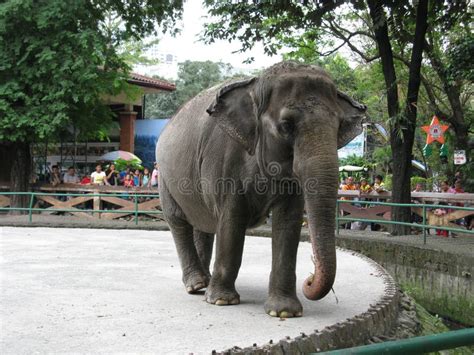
[[379, 319]]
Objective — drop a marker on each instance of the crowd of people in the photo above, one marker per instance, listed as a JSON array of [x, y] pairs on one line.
[[110, 177], [349, 184], [363, 186]]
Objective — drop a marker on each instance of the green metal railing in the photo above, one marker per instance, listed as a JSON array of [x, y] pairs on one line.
[[126, 195], [423, 225], [416, 345], [136, 212]]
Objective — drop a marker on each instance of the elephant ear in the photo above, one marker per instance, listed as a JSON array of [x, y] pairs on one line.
[[353, 114], [235, 112]]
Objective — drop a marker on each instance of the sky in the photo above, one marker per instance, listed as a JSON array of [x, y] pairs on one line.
[[186, 46]]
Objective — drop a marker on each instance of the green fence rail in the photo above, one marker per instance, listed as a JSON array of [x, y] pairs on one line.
[[417, 345], [127, 195], [422, 225]]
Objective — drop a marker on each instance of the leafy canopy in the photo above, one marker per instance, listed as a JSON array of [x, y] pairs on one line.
[[193, 77], [58, 58]]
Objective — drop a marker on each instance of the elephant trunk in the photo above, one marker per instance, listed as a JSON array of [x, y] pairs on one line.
[[320, 183]]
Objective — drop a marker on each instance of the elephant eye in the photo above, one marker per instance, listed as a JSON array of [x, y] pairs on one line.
[[286, 128]]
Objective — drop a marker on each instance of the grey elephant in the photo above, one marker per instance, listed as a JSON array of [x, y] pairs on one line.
[[242, 149]]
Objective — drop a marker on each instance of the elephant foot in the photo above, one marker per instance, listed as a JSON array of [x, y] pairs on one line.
[[283, 307], [195, 282], [221, 297]]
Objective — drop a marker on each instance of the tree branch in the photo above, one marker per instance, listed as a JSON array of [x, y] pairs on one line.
[[346, 40]]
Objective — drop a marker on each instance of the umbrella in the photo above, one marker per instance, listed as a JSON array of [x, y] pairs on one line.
[[119, 154], [352, 168]]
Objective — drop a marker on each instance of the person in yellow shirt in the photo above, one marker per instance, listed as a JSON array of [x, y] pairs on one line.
[[379, 185], [365, 188], [98, 176]]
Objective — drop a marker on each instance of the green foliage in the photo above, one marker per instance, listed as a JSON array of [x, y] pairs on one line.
[[193, 77], [383, 157], [122, 164], [388, 182], [355, 161], [58, 59], [459, 64]]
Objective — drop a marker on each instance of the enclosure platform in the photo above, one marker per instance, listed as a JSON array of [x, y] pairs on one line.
[[109, 291]]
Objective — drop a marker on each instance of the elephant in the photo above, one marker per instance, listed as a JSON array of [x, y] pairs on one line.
[[243, 149]]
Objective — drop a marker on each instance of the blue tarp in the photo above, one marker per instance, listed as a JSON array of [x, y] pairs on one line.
[[146, 135]]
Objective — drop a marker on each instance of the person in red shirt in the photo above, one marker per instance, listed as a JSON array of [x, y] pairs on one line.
[[86, 180], [128, 181]]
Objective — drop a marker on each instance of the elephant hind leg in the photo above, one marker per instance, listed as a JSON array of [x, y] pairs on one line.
[[204, 243], [195, 277]]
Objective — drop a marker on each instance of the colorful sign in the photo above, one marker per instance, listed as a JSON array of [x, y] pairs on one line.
[[435, 131]]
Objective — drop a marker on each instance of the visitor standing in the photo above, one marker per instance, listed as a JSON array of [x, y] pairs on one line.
[[445, 188], [123, 174], [98, 176], [55, 177], [365, 187], [155, 176], [348, 186], [146, 178], [379, 185], [128, 181], [71, 177], [112, 176], [137, 178]]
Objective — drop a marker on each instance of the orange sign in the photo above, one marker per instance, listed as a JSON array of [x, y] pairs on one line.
[[435, 131]]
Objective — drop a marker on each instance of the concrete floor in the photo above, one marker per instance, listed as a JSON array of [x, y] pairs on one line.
[[109, 291]]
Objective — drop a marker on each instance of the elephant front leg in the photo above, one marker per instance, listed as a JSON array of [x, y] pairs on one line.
[[229, 247], [286, 229]]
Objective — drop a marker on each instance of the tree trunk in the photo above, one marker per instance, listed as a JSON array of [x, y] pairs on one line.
[[20, 175], [403, 145], [402, 129]]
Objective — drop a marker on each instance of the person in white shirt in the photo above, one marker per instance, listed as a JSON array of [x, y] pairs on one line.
[[154, 176], [98, 176], [71, 177]]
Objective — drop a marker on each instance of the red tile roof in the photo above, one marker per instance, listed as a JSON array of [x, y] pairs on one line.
[[142, 80]]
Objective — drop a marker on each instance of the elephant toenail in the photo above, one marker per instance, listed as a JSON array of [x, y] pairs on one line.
[[285, 314], [221, 302], [272, 313], [235, 301], [298, 314]]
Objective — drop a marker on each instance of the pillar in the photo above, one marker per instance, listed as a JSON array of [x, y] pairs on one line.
[[127, 130]]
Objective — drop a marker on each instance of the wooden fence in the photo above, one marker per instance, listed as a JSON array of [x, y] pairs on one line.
[[126, 202]]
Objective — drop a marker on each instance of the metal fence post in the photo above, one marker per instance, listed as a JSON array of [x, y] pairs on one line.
[[424, 224], [30, 212], [136, 209]]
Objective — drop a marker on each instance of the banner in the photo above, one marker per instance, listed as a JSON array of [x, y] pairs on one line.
[[146, 136]]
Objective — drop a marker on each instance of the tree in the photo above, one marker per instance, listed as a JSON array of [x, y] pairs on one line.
[[369, 36], [57, 59], [193, 77]]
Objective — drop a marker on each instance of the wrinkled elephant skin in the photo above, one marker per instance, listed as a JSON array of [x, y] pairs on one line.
[[237, 152]]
